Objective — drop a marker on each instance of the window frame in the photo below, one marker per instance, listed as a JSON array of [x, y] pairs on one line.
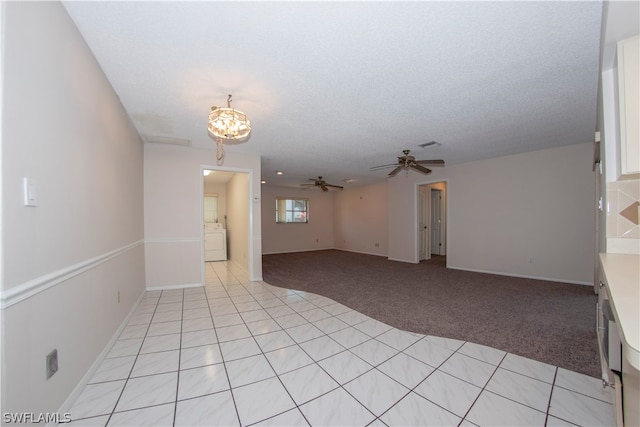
[[205, 213], [290, 213]]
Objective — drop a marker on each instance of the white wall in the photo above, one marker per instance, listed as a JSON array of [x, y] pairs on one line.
[[314, 235], [238, 202], [65, 260], [174, 234], [528, 214], [361, 219]]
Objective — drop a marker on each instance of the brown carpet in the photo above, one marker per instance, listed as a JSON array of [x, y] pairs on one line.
[[546, 321]]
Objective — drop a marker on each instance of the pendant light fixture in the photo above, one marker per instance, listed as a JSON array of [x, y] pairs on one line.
[[227, 125]]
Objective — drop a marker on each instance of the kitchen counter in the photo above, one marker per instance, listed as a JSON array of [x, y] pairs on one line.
[[622, 273]]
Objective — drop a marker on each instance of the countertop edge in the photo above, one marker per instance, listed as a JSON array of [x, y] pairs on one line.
[[622, 273]]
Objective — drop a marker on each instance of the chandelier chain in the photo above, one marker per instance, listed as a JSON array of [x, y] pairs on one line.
[[219, 150]]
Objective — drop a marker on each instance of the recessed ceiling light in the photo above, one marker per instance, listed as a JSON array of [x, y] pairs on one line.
[[279, 173], [263, 182]]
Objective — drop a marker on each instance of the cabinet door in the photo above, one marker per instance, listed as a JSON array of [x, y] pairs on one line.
[[629, 96]]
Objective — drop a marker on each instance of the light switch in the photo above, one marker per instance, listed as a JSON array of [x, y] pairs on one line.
[[29, 192]]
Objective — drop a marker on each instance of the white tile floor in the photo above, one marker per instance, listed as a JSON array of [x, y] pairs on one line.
[[240, 353]]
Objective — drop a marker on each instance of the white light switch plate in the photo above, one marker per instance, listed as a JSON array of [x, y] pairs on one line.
[[29, 192]]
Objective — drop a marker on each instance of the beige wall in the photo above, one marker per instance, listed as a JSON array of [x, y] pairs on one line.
[[237, 190], [361, 219], [174, 233], [529, 214], [314, 235], [65, 261]]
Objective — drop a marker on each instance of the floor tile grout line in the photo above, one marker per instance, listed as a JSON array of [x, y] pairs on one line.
[[276, 376], [233, 399], [483, 388], [526, 375], [553, 386], [175, 405], [582, 394], [412, 390], [124, 386], [314, 362]]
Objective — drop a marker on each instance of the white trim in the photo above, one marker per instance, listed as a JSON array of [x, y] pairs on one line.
[[299, 250], [522, 276], [171, 287], [33, 287], [179, 240], [66, 405], [403, 260], [361, 252]]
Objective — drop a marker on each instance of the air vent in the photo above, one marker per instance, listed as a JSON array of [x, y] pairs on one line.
[[154, 139], [431, 144]]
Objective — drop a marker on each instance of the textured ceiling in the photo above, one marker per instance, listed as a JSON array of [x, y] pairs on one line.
[[334, 88]]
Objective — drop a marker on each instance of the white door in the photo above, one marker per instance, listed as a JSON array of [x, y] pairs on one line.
[[423, 222], [436, 221]]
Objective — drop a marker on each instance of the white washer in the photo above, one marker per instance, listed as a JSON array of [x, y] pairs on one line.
[[215, 242]]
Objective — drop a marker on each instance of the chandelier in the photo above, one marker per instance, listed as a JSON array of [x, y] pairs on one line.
[[228, 125]]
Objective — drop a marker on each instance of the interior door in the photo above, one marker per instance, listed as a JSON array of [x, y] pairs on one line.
[[423, 222], [436, 221]]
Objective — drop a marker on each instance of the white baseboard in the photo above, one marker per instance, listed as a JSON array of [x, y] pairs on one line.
[[171, 287], [296, 251], [523, 276], [66, 405], [361, 252]]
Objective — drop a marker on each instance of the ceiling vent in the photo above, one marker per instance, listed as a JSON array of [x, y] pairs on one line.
[[431, 144], [154, 139]]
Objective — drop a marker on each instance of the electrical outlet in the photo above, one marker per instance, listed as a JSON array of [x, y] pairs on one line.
[[52, 363]]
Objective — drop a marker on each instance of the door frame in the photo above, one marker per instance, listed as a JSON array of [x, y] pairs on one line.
[[439, 193], [428, 207], [250, 267]]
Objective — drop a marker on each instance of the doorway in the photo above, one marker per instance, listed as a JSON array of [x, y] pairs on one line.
[[225, 212], [432, 220], [436, 221]]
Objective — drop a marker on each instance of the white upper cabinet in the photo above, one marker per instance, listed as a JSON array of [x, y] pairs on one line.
[[629, 98]]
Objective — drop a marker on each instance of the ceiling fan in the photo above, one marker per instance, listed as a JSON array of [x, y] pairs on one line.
[[319, 182], [407, 161]]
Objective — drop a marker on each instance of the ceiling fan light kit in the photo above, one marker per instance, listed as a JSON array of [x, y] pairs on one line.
[[321, 184], [408, 162], [227, 125]]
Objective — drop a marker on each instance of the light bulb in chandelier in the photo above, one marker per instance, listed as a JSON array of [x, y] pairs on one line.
[[228, 123]]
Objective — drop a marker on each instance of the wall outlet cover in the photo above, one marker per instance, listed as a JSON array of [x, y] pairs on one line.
[[52, 363]]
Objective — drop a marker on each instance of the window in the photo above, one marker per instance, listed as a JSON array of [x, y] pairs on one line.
[[292, 210], [211, 208]]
